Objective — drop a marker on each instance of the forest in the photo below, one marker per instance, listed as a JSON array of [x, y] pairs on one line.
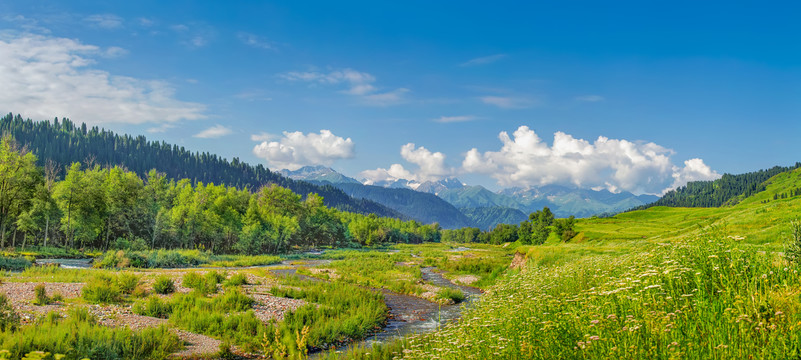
[[94, 207], [64, 143], [727, 190]]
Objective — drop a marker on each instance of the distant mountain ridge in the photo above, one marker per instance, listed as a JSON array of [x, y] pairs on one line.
[[318, 173], [423, 207], [482, 208]]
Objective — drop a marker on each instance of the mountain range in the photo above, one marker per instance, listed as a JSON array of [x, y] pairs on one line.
[[455, 204]]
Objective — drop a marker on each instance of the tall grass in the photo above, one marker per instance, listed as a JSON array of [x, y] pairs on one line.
[[179, 259], [337, 313], [79, 336], [700, 298]]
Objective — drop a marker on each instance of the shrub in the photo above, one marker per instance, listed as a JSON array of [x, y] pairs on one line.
[[453, 294], [41, 295], [14, 263], [127, 282], [56, 298], [9, 319], [101, 289], [164, 285], [793, 249], [203, 284], [237, 280], [154, 307], [140, 292]]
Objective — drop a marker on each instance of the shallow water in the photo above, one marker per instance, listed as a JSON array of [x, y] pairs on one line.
[[67, 263]]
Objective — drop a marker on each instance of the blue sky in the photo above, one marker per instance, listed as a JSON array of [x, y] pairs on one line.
[[675, 91]]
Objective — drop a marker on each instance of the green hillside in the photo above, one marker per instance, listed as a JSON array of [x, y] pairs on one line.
[[760, 218], [659, 283], [729, 189]]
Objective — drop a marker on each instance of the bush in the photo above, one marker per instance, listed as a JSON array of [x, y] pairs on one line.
[[237, 280], [14, 263], [793, 250], [41, 295], [9, 319], [164, 285], [203, 284], [154, 307], [101, 289], [127, 282], [453, 294]]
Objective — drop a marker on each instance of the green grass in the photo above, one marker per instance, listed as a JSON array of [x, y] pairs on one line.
[[374, 269], [79, 336], [164, 285], [54, 273], [179, 259]]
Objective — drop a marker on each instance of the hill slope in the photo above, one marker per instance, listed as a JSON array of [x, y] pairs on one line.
[[64, 143], [728, 189]]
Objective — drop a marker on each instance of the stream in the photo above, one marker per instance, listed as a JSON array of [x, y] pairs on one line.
[[407, 314]]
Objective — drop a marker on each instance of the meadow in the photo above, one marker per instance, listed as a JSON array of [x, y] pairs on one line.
[[663, 283]]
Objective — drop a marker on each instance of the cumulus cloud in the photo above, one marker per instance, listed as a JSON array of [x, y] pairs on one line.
[[296, 149], [213, 132], [430, 166], [612, 164], [45, 76], [395, 172], [263, 136], [105, 21], [483, 60], [358, 84]]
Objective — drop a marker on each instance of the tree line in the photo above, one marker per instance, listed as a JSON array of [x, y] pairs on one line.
[[727, 190], [89, 206], [534, 231], [64, 142]]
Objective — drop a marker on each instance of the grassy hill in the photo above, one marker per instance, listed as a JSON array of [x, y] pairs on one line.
[[660, 283], [760, 218]]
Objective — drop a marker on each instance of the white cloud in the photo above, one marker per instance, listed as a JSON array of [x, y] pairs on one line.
[[358, 84], [483, 60], [160, 129], [507, 102], [45, 76], [254, 41], [525, 160], [296, 149], [213, 132], [451, 119], [114, 52], [430, 166], [196, 36], [145, 22], [105, 21], [263, 136], [590, 98], [693, 170], [395, 172]]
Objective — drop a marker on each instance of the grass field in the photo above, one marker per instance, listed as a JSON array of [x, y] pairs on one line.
[[664, 283]]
